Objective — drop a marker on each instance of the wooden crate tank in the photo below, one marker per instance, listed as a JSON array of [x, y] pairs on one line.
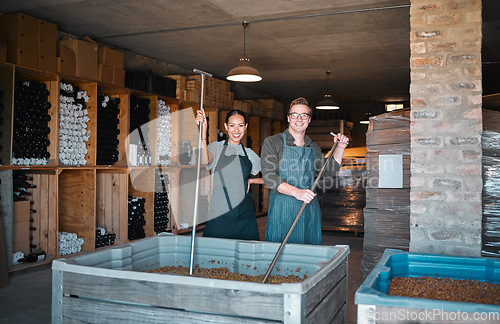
[[111, 284]]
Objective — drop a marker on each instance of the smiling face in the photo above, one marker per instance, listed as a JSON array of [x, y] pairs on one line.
[[299, 125], [236, 128]]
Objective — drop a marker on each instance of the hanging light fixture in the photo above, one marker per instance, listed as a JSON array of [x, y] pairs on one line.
[[327, 103], [244, 72], [367, 120]]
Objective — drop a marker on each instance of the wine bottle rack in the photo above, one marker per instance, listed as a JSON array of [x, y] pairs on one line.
[[108, 130], [74, 130], [30, 123], [78, 196]]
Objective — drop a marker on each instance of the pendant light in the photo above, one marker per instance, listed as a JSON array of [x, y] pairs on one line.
[[327, 103], [244, 72]]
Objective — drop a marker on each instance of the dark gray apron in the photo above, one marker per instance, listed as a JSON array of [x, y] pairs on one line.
[[297, 168], [232, 214]]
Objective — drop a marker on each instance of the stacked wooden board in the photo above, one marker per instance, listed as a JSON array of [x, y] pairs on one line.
[[491, 183], [387, 210]]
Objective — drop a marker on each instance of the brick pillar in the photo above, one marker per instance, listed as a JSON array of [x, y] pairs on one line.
[[446, 126]]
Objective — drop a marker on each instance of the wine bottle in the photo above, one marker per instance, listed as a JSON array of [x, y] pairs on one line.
[[23, 184], [35, 256], [20, 196]]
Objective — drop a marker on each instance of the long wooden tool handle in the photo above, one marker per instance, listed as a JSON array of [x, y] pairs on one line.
[[295, 221]]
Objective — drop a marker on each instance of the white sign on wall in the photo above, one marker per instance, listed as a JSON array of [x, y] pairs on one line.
[[390, 171]]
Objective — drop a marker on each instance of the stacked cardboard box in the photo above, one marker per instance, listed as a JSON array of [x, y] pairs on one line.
[[86, 57], [110, 65], [216, 92], [274, 109], [180, 90], [387, 210], [491, 183], [258, 108], [30, 41], [244, 106], [193, 92], [66, 62]]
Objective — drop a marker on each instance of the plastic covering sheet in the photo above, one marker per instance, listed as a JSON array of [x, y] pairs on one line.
[[491, 191], [342, 202], [387, 211]]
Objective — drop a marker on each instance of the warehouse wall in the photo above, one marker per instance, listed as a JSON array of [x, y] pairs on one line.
[[446, 127]]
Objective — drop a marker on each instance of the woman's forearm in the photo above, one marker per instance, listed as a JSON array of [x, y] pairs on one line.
[[204, 152], [256, 181]]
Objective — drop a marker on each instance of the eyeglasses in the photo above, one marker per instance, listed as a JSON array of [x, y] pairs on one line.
[[296, 115]]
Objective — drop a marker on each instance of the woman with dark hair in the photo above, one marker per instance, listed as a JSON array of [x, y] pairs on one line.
[[231, 213]]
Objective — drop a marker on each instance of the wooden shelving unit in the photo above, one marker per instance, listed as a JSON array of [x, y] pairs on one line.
[[77, 199]]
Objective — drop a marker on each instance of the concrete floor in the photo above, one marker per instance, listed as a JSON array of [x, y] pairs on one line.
[[27, 299]]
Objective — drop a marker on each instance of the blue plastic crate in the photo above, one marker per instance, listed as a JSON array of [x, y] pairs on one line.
[[397, 263]]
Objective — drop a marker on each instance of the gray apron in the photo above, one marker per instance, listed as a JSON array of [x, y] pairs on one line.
[[297, 168], [232, 214]]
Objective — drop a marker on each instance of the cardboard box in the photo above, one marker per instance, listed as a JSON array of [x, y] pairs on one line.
[[105, 73], [25, 56], [20, 33], [86, 57], [119, 77], [47, 31], [180, 86], [66, 63], [31, 41], [47, 59], [18, 28], [21, 211], [110, 57], [244, 106], [47, 46]]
